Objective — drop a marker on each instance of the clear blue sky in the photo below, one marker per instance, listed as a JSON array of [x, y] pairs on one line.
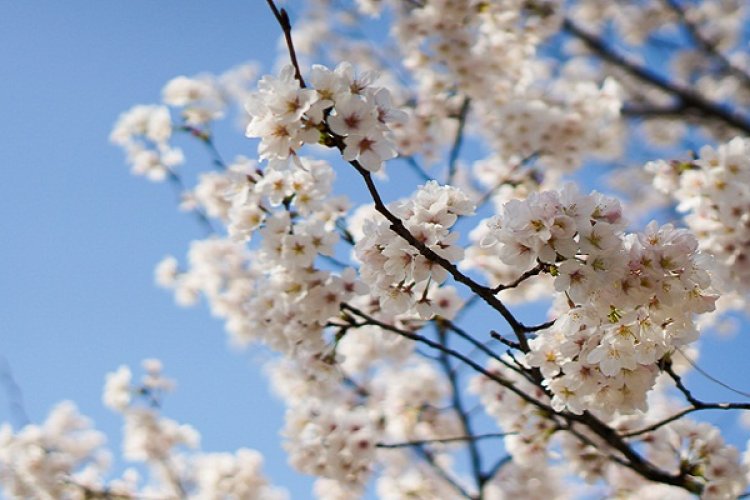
[[81, 235]]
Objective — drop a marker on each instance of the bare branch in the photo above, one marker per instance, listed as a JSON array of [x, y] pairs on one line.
[[286, 26], [666, 365], [175, 180], [528, 274], [458, 140], [458, 439], [711, 377], [13, 392], [457, 404], [513, 345], [427, 456]]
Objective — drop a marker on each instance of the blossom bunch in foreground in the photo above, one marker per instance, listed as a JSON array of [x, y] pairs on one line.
[[396, 271], [626, 300], [285, 116]]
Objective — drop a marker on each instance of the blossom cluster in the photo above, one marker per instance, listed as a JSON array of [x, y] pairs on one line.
[[145, 131], [488, 52], [529, 431], [397, 273], [44, 461], [65, 457], [285, 115], [681, 447], [332, 442], [626, 301], [699, 450], [260, 292], [713, 190]]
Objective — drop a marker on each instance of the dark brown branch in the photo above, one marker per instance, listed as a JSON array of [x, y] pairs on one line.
[[697, 405], [631, 458], [666, 365], [458, 439], [397, 226], [286, 26], [528, 274], [369, 320], [702, 406], [685, 96], [503, 340], [649, 111], [541, 326], [466, 336]]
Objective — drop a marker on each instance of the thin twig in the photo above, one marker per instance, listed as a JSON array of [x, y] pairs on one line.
[[666, 365], [180, 189], [369, 320], [286, 26], [13, 393], [421, 442], [466, 336], [541, 326], [205, 138], [417, 168], [528, 274], [334, 261], [702, 406], [427, 456], [458, 140], [711, 377], [513, 345], [458, 406], [502, 462]]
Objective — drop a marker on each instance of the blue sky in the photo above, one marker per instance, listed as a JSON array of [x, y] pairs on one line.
[[82, 235]]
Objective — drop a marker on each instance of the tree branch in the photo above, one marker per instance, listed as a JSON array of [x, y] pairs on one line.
[[686, 97], [707, 45], [457, 404], [286, 26], [427, 456], [528, 274], [463, 113], [13, 394], [701, 406], [422, 442], [417, 168]]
